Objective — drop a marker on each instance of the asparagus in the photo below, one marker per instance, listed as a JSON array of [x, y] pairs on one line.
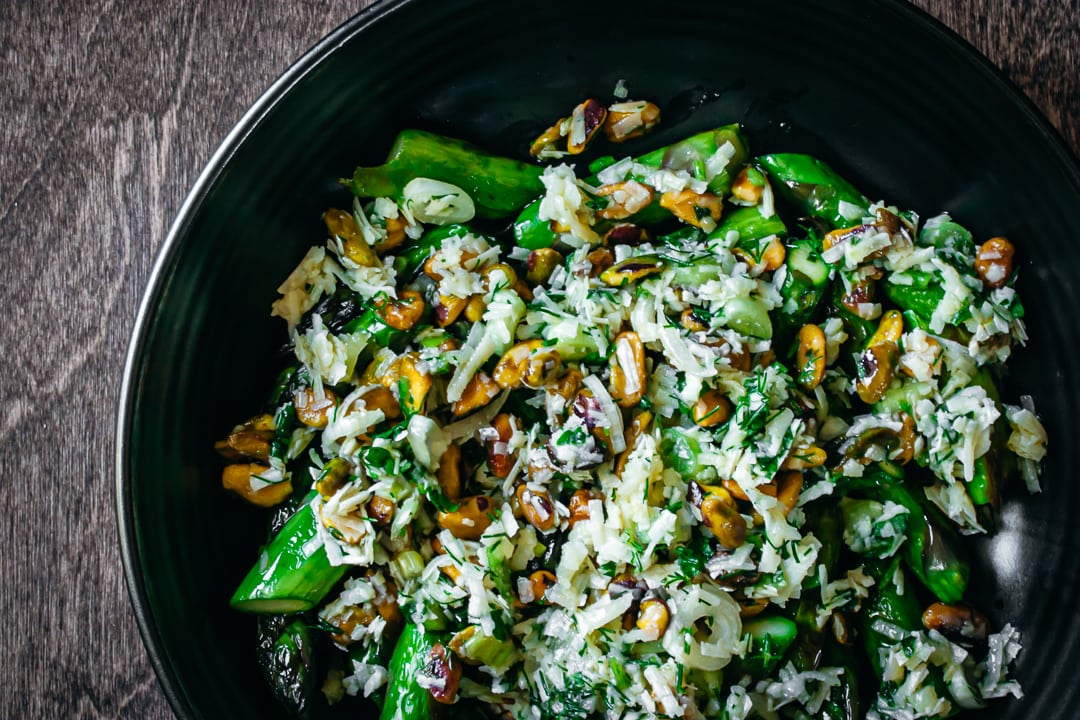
[[531, 232], [814, 188], [932, 550], [286, 657], [498, 186], [767, 641], [806, 283], [292, 574], [751, 226], [406, 699]]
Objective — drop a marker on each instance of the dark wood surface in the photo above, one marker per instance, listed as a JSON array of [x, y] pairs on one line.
[[108, 112]]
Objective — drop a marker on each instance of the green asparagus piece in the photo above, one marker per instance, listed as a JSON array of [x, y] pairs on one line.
[[889, 605], [293, 572], [813, 188], [768, 639], [498, 186], [376, 652], [843, 702], [948, 236], [751, 226], [920, 300], [406, 699], [286, 657], [690, 154], [932, 550], [806, 283]]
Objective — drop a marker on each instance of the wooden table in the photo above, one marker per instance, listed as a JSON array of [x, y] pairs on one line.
[[108, 112]]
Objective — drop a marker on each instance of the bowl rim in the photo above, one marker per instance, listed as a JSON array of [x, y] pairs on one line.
[[215, 167], [166, 256]]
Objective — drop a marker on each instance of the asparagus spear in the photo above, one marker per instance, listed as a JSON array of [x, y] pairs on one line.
[[891, 606], [768, 639], [531, 232], [932, 550], [406, 699], [292, 574], [286, 657], [813, 188], [498, 186], [806, 283], [750, 224]]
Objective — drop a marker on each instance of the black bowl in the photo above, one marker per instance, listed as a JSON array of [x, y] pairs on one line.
[[890, 97]]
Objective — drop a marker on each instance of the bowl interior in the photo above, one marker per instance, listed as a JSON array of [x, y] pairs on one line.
[[892, 100]]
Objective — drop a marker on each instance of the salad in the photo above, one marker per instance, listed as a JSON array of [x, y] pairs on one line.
[[693, 433]]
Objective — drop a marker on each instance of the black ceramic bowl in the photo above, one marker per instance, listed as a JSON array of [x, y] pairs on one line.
[[887, 95]]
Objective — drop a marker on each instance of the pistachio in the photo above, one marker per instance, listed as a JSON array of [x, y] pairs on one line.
[[246, 443], [540, 264], [810, 357], [624, 199], [470, 520], [994, 262], [768, 255], [380, 398], [579, 504], [409, 375], [536, 507], [859, 297], [333, 476], [447, 674], [395, 236], [638, 427], [568, 385], [701, 210], [841, 235], [527, 363], [751, 607], [479, 391], [653, 618], [585, 121], [450, 473], [628, 120], [600, 260], [627, 369], [540, 582], [342, 225], [314, 410], [789, 484], [958, 622], [875, 370], [500, 459], [381, 510], [749, 185], [544, 145], [238, 479], [632, 269], [625, 234], [433, 262], [475, 307], [711, 409], [690, 321], [889, 329], [448, 308], [802, 458], [498, 276], [720, 515]]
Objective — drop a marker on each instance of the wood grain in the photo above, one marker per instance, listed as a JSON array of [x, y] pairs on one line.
[[109, 112]]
